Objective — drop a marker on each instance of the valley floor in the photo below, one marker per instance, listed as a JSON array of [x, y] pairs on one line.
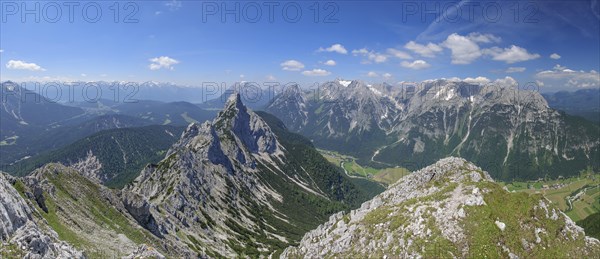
[[353, 169], [578, 197]]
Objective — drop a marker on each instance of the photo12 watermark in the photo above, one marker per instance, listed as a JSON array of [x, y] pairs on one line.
[[69, 11], [457, 11], [269, 11]]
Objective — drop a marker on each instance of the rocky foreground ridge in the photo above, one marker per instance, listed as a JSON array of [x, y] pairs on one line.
[[447, 210], [20, 234]]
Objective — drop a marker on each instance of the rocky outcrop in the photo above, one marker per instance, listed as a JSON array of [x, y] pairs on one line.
[[14, 211], [139, 209], [20, 233], [449, 209], [145, 251]]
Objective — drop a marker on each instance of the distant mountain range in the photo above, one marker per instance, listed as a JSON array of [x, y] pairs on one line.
[[111, 157], [253, 95], [584, 103], [511, 133], [31, 124]]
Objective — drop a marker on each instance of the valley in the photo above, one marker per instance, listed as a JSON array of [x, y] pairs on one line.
[[578, 197], [300, 129], [353, 169]]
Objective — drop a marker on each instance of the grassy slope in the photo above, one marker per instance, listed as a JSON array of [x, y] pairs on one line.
[[81, 216]]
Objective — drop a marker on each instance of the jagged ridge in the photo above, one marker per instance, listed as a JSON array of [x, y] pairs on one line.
[[449, 209]]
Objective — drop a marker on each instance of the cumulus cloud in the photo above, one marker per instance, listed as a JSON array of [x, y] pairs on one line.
[[371, 55], [464, 50], [515, 69], [510, 55], [330, 62], [162, 62], [372, 74], [399, 54], [560, 76], [339, 48], [292, 65], [270, 78], [417, 64], [483, 38], [316, 72], [555, 56], [480, 80], [429, 50], [387, 75], [22, 65], [507, 81]]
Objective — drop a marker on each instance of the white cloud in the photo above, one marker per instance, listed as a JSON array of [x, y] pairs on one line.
[[561, 76], [372, 56], [399, 54], [483, 38], [271, 78], [480, 80], [339, 48], [83, 75], [292, 65], [510, 55], [539, 83], [1, 50], [372, 74], [428, 50], [417, 64], [387, 75], [555, 56], [316, 72], [173, 5], [242, 76], [162, 62], [515, 69], [464, 50], [22, 65], [507, 81], [330, 62], [362, 51]]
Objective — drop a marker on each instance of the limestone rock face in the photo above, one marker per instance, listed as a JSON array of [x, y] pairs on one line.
[[230, 187], [508, 130], [18, 228], [449, 209]]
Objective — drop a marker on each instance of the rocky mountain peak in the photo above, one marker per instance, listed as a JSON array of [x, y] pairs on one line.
[[445, 210], [234, 101], [249, 128]]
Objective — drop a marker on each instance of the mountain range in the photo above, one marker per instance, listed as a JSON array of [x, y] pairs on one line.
[[31, 124], [510, 132], [232, 186], [245, 183]]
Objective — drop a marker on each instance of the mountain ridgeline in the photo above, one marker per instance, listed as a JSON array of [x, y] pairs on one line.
[[512, 133], [240, 185], [230, 186], [31, 125], [111, 157], [451, 209]]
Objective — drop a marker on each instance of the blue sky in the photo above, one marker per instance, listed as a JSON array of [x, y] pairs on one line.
[[554, 43]]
